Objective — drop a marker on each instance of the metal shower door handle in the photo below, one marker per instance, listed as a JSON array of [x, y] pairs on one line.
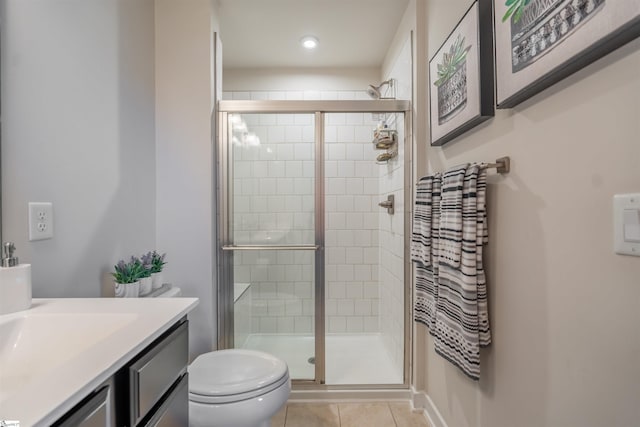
[[388, 204]]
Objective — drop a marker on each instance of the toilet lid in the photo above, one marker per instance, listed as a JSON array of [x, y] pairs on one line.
[[234, 372]]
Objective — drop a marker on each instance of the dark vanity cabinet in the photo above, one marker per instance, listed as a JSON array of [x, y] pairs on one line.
[[150, 390], [95, 410], [157, 381]]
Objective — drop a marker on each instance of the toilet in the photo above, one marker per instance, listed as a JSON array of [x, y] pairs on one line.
[[237, 387]]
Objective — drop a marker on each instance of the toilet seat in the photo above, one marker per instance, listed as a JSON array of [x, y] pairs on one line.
[[233, 375]]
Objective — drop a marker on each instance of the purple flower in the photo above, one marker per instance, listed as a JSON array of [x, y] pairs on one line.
[[147, 260], [157, 262]]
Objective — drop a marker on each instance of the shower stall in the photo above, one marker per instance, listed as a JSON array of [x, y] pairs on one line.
[[312, 229]]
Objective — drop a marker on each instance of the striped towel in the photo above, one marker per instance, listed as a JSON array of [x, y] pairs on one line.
[[482, 238], [427, 200], [455, 282], [451, 216], [424, 247]]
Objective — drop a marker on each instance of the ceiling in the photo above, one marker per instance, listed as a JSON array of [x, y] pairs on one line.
[[267, 33]]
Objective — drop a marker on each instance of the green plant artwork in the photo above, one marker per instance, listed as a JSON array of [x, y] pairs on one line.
[[515, 9], [450, 61]]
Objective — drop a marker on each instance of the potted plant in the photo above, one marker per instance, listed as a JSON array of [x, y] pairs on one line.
[[157, 265], [127, 278], [145, 273]]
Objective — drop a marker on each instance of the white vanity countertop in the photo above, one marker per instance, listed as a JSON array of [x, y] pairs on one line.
[[60, 350]]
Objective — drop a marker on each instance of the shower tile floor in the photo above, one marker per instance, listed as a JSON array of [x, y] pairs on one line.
[[350, 358]]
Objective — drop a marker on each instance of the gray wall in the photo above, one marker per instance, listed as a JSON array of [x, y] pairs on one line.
[[184, 159], [78, 130], [107, 112]]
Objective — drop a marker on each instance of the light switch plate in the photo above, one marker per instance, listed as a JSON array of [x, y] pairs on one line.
[[626, 222]]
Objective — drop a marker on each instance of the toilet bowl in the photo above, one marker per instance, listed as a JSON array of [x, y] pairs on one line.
[[236, 388]]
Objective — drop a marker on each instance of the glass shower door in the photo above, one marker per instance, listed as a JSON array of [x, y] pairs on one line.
[[271, 243]]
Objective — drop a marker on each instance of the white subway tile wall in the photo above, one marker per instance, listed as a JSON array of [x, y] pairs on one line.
[[351, 223], [392, 307], [391, 251]]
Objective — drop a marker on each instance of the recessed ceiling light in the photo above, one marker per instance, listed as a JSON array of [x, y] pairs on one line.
[[309, 42]]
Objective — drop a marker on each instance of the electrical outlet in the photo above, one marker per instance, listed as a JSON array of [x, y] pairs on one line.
[[40, 221]]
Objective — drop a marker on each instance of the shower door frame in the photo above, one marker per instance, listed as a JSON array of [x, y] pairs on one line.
[[225, 247]]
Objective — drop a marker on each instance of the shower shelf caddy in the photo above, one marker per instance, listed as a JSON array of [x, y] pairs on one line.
[[385, 139]]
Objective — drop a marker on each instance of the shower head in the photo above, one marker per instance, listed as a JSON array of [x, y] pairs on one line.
[[374, 91]]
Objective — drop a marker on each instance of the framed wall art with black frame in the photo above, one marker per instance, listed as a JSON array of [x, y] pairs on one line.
[[461, 91], [540, 42]]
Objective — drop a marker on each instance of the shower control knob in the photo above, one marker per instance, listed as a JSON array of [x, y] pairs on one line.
[[388, 204]]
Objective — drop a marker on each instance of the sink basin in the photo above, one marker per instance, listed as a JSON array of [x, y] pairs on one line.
[[34, 344]]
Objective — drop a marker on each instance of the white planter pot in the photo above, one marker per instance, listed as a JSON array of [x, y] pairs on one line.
[[145, 286], [127, 290], [156, 280]]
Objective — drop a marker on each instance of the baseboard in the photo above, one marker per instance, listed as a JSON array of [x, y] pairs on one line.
[[421, 401], [342, 395]]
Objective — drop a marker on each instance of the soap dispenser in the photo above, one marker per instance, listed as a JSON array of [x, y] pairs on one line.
[[15, 282]]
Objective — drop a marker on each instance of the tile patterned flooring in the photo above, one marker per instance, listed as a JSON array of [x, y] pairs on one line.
[[362, 414]]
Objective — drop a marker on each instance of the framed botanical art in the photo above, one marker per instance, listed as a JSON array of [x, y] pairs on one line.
[[461, 92], [540, 42]]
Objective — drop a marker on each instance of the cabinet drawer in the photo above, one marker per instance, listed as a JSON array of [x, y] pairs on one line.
[[94, 411], [156, 371], [174, 411]]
